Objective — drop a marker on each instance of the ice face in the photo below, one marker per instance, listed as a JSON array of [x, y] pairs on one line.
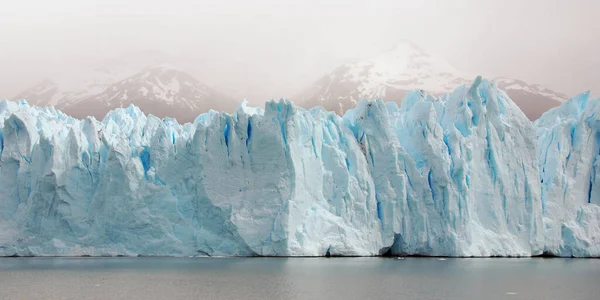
[[568, 152], [282, 181], [456, 176]]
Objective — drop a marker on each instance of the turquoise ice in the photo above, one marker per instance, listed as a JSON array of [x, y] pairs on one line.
[[460, 175]]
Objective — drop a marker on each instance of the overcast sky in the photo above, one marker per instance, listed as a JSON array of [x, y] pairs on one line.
[[275, 48]]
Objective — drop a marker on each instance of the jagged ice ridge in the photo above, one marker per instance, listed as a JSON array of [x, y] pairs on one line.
[[466, 174]]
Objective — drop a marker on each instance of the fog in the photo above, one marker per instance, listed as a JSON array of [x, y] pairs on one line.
[[271, 49]]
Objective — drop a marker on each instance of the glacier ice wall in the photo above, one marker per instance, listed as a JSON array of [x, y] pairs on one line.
[[569, 157], [456, 176], [278, 182]]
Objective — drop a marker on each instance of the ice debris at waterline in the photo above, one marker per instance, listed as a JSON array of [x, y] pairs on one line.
[[460, 175]]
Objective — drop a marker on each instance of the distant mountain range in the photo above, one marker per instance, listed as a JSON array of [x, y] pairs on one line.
[[158, 88], [406, 67], [161, 90]]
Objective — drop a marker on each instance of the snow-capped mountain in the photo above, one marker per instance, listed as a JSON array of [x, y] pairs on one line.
[[70, 86], [532, 99], [406, 67], [96, 88], [163, 91], [86, 77]]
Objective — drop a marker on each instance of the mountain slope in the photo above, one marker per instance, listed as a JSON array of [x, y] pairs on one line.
[[163, 91], [73, 85], [95, 88], [532, 99], [406, 67], [87, 77]]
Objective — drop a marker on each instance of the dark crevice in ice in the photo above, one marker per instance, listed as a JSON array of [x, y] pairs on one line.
[[249, 131]]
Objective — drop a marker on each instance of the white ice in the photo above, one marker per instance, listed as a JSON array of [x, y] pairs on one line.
[[460, 175]]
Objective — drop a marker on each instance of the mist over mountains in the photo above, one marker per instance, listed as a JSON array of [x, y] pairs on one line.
[[158, 85], [407, 67]]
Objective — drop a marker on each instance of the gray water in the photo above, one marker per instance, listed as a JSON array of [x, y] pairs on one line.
[[298, 278]]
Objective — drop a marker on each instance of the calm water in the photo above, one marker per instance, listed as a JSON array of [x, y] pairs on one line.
[[298, 278]]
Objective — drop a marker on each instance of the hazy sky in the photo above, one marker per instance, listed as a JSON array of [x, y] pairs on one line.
[[276, 48]]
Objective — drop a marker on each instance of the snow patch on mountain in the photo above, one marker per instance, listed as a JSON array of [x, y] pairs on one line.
[[163, 90], [406, 67]]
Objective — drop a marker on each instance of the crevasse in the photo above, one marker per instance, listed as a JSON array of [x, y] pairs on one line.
[[466, 174]]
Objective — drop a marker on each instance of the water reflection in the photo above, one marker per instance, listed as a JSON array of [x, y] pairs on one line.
[[297, 278]]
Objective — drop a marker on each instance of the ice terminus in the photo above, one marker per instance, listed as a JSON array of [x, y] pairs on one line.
[[459, 175], [454, 176], [569, 157]]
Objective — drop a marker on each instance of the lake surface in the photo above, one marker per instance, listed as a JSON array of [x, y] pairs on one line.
[[298, 278]]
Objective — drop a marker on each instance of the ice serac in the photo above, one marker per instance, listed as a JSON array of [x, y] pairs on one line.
[[282, 181], [569, 156], [454, 176]]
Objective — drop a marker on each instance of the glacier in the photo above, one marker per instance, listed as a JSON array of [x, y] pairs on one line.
[[465, 174], [569, 157]]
